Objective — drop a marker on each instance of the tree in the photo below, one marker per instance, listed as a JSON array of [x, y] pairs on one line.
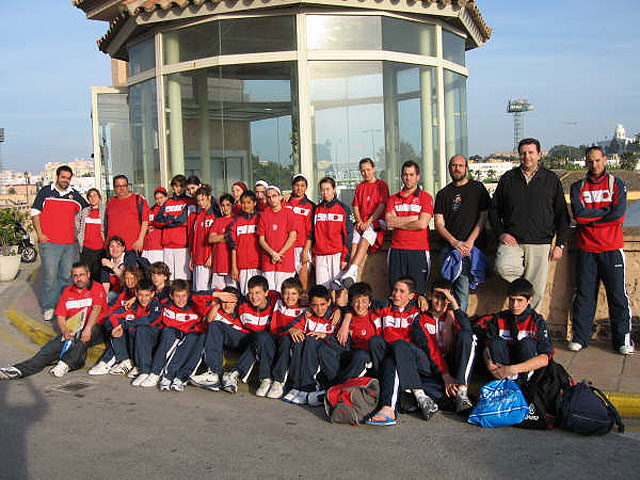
[[628, 161], [476, 158]]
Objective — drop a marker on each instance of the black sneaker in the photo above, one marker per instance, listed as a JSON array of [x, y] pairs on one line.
[[428, 407], [10, 373]]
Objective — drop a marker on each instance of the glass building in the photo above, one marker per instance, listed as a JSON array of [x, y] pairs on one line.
[[254, 90]]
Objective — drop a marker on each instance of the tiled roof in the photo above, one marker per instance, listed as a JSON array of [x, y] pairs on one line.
[[131, 8]]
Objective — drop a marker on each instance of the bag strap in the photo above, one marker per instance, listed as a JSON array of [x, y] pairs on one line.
[[610, 407]]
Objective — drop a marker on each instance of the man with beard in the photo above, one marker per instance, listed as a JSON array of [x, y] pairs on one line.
[[460, 215]]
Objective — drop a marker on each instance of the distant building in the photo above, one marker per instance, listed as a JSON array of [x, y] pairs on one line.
[[484, 171]]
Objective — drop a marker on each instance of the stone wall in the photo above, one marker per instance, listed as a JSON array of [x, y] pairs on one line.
[[556, 304]]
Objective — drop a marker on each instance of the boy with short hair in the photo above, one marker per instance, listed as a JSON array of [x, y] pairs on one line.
[[201, 253], [160, 274], [518, 338], [243, 242]]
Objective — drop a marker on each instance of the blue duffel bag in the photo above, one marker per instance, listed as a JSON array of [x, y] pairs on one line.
[[501, 404]]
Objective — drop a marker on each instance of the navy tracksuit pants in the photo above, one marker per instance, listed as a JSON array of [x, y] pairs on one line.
[[146, 341], [460, 360], [174, 349], [286, 346], [121, 347], [357, 360], [517, 351], [309, 358], [590, 269], [220, 336], [409, 263]]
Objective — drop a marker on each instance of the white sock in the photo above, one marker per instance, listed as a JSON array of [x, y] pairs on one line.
[[419, 394]]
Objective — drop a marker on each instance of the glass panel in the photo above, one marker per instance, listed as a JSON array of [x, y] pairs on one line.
[[264, 34], [453, 47], [144, 173], [234, 123], [455, 106], [142, 57], [353, 32], [113, 134], [409, 37], [191, 43]]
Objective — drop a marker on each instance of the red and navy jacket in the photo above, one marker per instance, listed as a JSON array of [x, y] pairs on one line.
[[257, 319], [395, 323], [413, 204], [57, 210], [303, 209], [423, 336], [233, 320], [123, 296], [244, 240], [201, 248], [74, 300], [173, 216], [316, 324], [186, 319], [361, 329], [153, 240], [107, 275], [599, 208], [436, 325], [529, 323], [285, 318], [137, 315], [332, 229], [162, 295]]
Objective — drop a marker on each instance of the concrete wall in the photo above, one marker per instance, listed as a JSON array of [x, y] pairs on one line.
[[556, 304]]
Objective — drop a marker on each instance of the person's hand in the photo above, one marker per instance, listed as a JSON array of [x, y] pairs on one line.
[[209, 262], [211, 316], [235, 273], [107, 263], [276, 257], [450, 386], [343, 265], [150, 229], [556, 253], [67, 334], [423, 304], [296, 334], [43, 238], [191, 263], [317, 335], [138, 245], [86, 335], [127, 305], [461, 247], [117, 331], [286, 197], [468, 246], [335, 317], [508, 239], [343, 334], [503, 371], [226, 296]]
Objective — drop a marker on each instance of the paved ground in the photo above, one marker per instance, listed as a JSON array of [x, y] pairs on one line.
[[83, 427]]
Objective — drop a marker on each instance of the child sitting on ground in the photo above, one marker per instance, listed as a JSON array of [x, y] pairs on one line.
[[160, 275]]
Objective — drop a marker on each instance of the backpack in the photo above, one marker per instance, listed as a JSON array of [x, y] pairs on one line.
[[586, 410], [352, 401], [501, 404], [543, 393]]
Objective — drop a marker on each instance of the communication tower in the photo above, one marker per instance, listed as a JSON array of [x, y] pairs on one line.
[[517, 108]]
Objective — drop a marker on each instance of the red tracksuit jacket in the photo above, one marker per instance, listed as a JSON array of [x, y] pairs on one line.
[[332, 229], [173, 216]]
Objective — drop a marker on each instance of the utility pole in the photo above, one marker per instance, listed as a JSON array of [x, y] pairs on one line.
[[517, 108]]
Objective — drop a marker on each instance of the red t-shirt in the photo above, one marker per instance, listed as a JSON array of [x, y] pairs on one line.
[[201, 248], [123, 218], [361, 329], [221, 263], [74, 300], [303, 209], [368, 196], [414, 204], [153, 239], [243, 239], [275, 227], [93, 231]]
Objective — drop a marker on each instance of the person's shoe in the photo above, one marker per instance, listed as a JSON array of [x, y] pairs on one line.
[[626, 350], [291, 394], [60, 370], [574, 346], [165, 384], [137, 382], [462, 401], [336, 284], [48, 314], [10, 373], [151, 380], [276, 390], [177, 385], [121, 368], [300, 398], [230, 381], [316, 399], [428, 407], [350, 277], [208, 380], [133, 373], [100, 368], [264, 387]]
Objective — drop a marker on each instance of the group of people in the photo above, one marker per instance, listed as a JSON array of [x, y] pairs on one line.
[[171, 288]]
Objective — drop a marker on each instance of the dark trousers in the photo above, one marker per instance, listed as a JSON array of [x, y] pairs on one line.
[[121, 347], [392, 386], [280, 370], [460, 360], [218, 337], [610, 268], [310, 361], [179, 364], [146, 341], [170, 338], [92, 259], [510, 354], [261, 349], [356, 361], [49, 354], [409, 263]]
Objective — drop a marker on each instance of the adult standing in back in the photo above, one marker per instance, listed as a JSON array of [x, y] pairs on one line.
[[127, 215], [53, 214], [527, 211]]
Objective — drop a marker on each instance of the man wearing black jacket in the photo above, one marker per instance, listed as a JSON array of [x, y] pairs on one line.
[[527, 211]]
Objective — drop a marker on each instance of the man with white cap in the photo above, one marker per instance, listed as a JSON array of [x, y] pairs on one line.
[[277, 235]]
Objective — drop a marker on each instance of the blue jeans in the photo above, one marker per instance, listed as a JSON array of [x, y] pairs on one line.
[[461, 285], [56, 270]]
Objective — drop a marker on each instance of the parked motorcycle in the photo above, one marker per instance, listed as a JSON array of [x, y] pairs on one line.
[[26, 249]]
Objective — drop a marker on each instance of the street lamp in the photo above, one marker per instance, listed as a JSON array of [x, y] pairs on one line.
[[28, 179]]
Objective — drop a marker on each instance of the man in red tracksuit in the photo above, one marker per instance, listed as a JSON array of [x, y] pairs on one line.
[[174, 219], [599, 204]]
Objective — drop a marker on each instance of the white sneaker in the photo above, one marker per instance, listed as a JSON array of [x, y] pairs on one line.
[[151, 380], [177, 385], [137, 382], [121, 368], [626, 350], [134, 373], [291, 394], [316, 399], [10, 373], [208, 380], [350, 276], [574, 346], [230, 381], [48, 314], [165, 384], [276, 390], [300, 398], [60, 370], [264, 387], [100, 368], [462, 401]]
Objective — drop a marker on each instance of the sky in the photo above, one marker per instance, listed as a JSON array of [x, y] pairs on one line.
[[575, 60]]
